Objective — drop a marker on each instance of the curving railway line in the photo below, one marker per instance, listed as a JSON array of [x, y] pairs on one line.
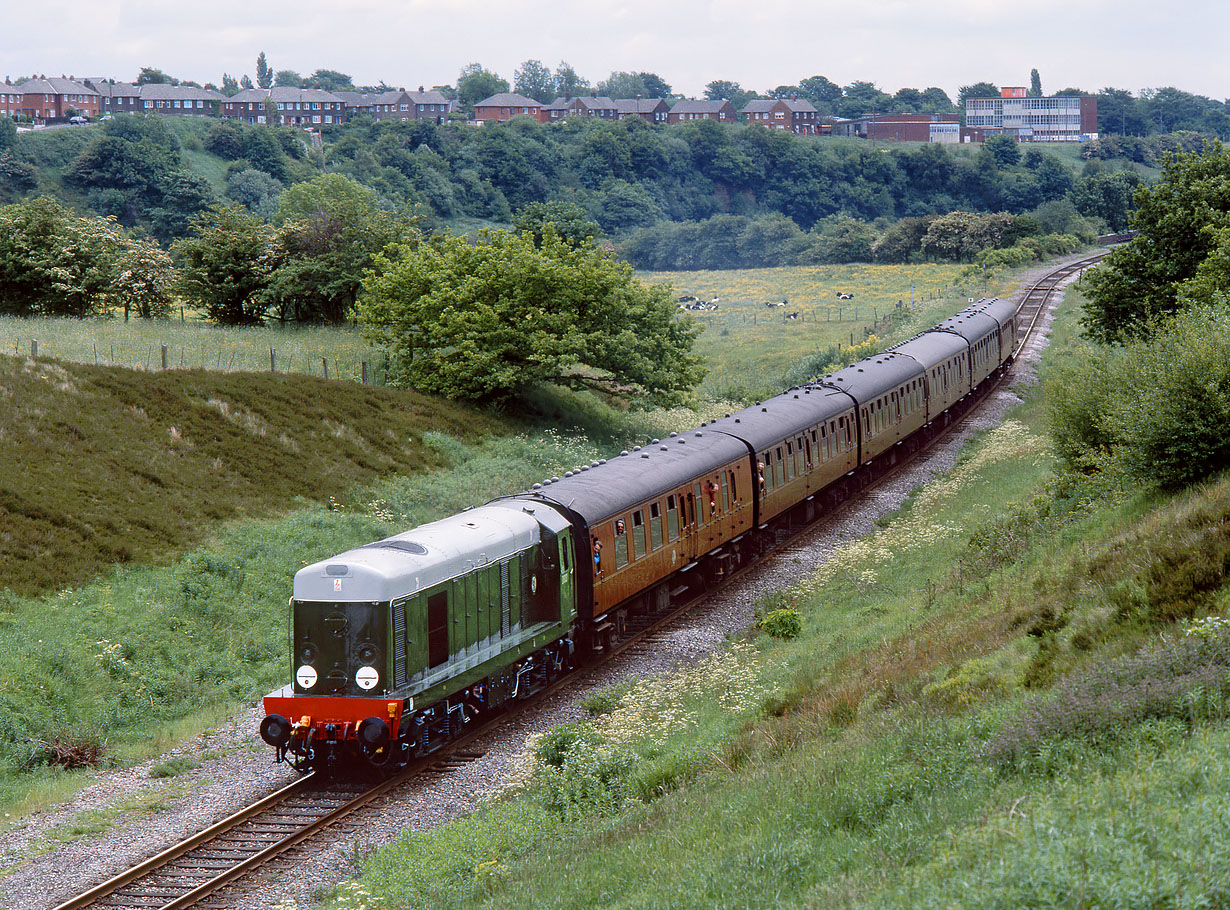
[[190, 872]]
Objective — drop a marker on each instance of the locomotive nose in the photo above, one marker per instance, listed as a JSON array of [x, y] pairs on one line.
[[275, 730], [373, 732]]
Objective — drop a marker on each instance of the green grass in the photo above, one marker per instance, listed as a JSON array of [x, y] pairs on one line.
[[852, 766], [104, 466], [193, 344], [752, 351]]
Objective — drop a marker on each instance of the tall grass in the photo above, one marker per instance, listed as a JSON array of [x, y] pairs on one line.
[[193, 344]]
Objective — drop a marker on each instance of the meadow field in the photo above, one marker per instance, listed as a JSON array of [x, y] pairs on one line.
[[752, 348], [194, 344]]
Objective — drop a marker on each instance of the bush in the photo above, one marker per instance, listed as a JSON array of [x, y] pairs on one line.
[[1171, 403], [1188, 681], [784, 622]]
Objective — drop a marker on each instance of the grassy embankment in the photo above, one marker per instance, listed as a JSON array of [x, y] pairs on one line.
[[1008, 696]]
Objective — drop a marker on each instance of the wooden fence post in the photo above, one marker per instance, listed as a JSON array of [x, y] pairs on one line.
[[324, 364], [365, 372], [164, 357], [273, 361], [33, 348]]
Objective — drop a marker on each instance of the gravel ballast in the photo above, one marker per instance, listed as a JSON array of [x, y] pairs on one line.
[[38, 871]]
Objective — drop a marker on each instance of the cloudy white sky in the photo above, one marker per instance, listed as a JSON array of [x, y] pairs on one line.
[[1088, 44]]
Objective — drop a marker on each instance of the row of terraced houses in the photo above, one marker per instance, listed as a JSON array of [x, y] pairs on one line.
[[56, 100]]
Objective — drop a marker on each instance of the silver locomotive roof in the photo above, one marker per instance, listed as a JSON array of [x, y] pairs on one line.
[[418, 559]]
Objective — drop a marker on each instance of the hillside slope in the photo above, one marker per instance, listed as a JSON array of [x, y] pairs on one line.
[[101, 465]]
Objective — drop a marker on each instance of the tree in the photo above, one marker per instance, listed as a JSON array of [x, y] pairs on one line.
[[230, 86], [1177, 222], [288, 78], [264, 72], [863, 98], [1004, 149], [567, 83], [634, 85], [331, 230], [245, 82], [977, 90], [725, 90], [151, 76], [226, 263], [330, 81], [534, 80], [145, 280], [8, 133], [1035, 84], [936, 101], [256, 191], [475, 83], [567, 219], [485, 320], [1120, 112]]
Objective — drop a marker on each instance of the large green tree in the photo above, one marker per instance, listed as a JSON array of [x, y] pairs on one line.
[[475, 83], [1179, 221], [534, 80], [226, 264], [484, 320], [331, 230], [264, 72]]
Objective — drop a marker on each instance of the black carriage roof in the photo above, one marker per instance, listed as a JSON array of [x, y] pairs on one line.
[[875, 375], [784, 415], [600, 490], [1000, 310], [930, 348], [972, 325]]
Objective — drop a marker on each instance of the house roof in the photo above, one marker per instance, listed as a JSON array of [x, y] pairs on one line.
[[113, 89], [156, 92], [688, 106], [286, 93], [60, 86], [764, 105], [508, 99], [638, 105]]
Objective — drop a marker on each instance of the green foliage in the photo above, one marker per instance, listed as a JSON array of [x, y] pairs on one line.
[[53, 263], [566, 219], [1159, 406], [332, 229], [226, 265], [1004, 149], [1187, 680], [475, 83], [1177, 221], [486, 320], [534, 80], [264, 72], [784, 622]]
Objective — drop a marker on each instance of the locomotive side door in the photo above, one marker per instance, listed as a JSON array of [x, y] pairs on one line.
[[567, 596]]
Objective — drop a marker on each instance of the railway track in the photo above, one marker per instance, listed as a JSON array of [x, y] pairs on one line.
[[189, 873]]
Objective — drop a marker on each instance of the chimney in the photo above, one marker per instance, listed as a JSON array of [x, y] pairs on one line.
[[420, 89]]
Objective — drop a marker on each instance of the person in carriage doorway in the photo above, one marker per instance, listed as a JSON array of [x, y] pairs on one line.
[[597, 546], [760, 476], [712, 488]]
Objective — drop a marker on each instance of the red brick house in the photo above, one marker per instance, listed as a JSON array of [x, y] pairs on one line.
[[49, 99], [799, 117], [505, 106], [185, 100], [722, 111], [400, 105], [116, 97]]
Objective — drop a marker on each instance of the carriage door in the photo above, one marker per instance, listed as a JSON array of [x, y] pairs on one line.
[[568, 604]]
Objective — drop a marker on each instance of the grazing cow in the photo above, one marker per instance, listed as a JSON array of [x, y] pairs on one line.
[[771, 303], [843, 296], [794, 315]]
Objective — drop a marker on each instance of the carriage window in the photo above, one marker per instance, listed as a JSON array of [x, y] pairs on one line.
[[621, 543], [779, 469], [655, 525], [638, 533], [790, 461], [734, 489], [672, 518]]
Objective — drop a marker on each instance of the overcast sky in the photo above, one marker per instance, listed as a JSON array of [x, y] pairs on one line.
[[1087, 44]]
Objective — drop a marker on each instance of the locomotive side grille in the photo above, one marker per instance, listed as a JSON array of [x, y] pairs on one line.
[[399, 643], [505, 605]]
